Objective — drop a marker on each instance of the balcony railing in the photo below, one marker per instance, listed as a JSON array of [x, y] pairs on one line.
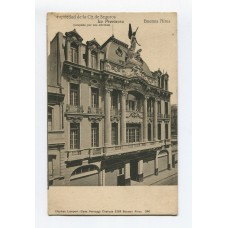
[[74, 109], [111, 150], [75, 154], [93, 110]]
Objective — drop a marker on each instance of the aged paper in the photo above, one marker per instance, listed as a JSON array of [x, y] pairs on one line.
[[112, 114]]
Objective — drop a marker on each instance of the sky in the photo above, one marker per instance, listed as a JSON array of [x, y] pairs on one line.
[[157, 35]]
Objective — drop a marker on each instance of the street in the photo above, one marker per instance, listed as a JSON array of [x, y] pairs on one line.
[[171, 180]]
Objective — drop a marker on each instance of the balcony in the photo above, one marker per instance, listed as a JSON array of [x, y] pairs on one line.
[[77, 154], [74, 109], [112, 150], [94, 110], [56, 137]]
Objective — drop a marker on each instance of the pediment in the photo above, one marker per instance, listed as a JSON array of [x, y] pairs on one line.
[[74, 36]]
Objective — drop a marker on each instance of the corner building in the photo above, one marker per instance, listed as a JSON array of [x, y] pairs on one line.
[[107, 125]]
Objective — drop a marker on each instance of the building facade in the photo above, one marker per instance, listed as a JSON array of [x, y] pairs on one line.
[[174, 134], [109, 116]]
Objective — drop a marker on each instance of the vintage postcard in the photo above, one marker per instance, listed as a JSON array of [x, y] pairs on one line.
[[112, 113]]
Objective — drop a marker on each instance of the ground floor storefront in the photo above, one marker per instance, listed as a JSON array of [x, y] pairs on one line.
[[122, 170]]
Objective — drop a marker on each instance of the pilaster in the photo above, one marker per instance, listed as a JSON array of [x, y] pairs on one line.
[[145, 124], [123, 117], [140, 170], [107, 135], [127, 174]]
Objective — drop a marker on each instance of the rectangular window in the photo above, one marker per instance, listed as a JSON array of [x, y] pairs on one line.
[[166, 84], [114, 101], [159, 107], [94, 98], [166, 131], [95, 135], [133, 133], [74, 136], [166, 108], [159, 131], [74, 94], [114, 134], [150, 107], [49, 118], [162, 83], [74, 54], [149, 133], [94, 60], [131, 105]]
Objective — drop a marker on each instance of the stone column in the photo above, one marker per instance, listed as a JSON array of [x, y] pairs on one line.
[[68, 57], [155, 120], [123, 117], [127, 175], [145, 124], [102, 177], [107, 131], [140, 170]]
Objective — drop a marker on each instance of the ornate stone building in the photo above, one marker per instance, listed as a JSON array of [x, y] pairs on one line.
[[108, 114]]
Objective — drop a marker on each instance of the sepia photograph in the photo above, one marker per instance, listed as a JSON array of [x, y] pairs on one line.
[[112, 114]]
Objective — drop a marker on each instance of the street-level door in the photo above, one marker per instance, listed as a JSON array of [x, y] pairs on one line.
[[134, 170]]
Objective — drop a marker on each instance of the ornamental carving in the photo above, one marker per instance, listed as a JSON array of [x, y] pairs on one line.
[[95, 119], [115, 119], [74, 119], [135, 114], [150, 119]]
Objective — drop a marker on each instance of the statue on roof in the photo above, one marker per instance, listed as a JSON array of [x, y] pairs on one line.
[[132, 56], [132, 37]]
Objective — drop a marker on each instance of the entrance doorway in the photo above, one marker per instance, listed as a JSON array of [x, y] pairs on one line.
[[134, 170]]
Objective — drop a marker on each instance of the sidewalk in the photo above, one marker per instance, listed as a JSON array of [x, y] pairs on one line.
[[152, 180]]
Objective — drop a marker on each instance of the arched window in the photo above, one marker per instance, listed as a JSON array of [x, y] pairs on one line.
[[84, 169]]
